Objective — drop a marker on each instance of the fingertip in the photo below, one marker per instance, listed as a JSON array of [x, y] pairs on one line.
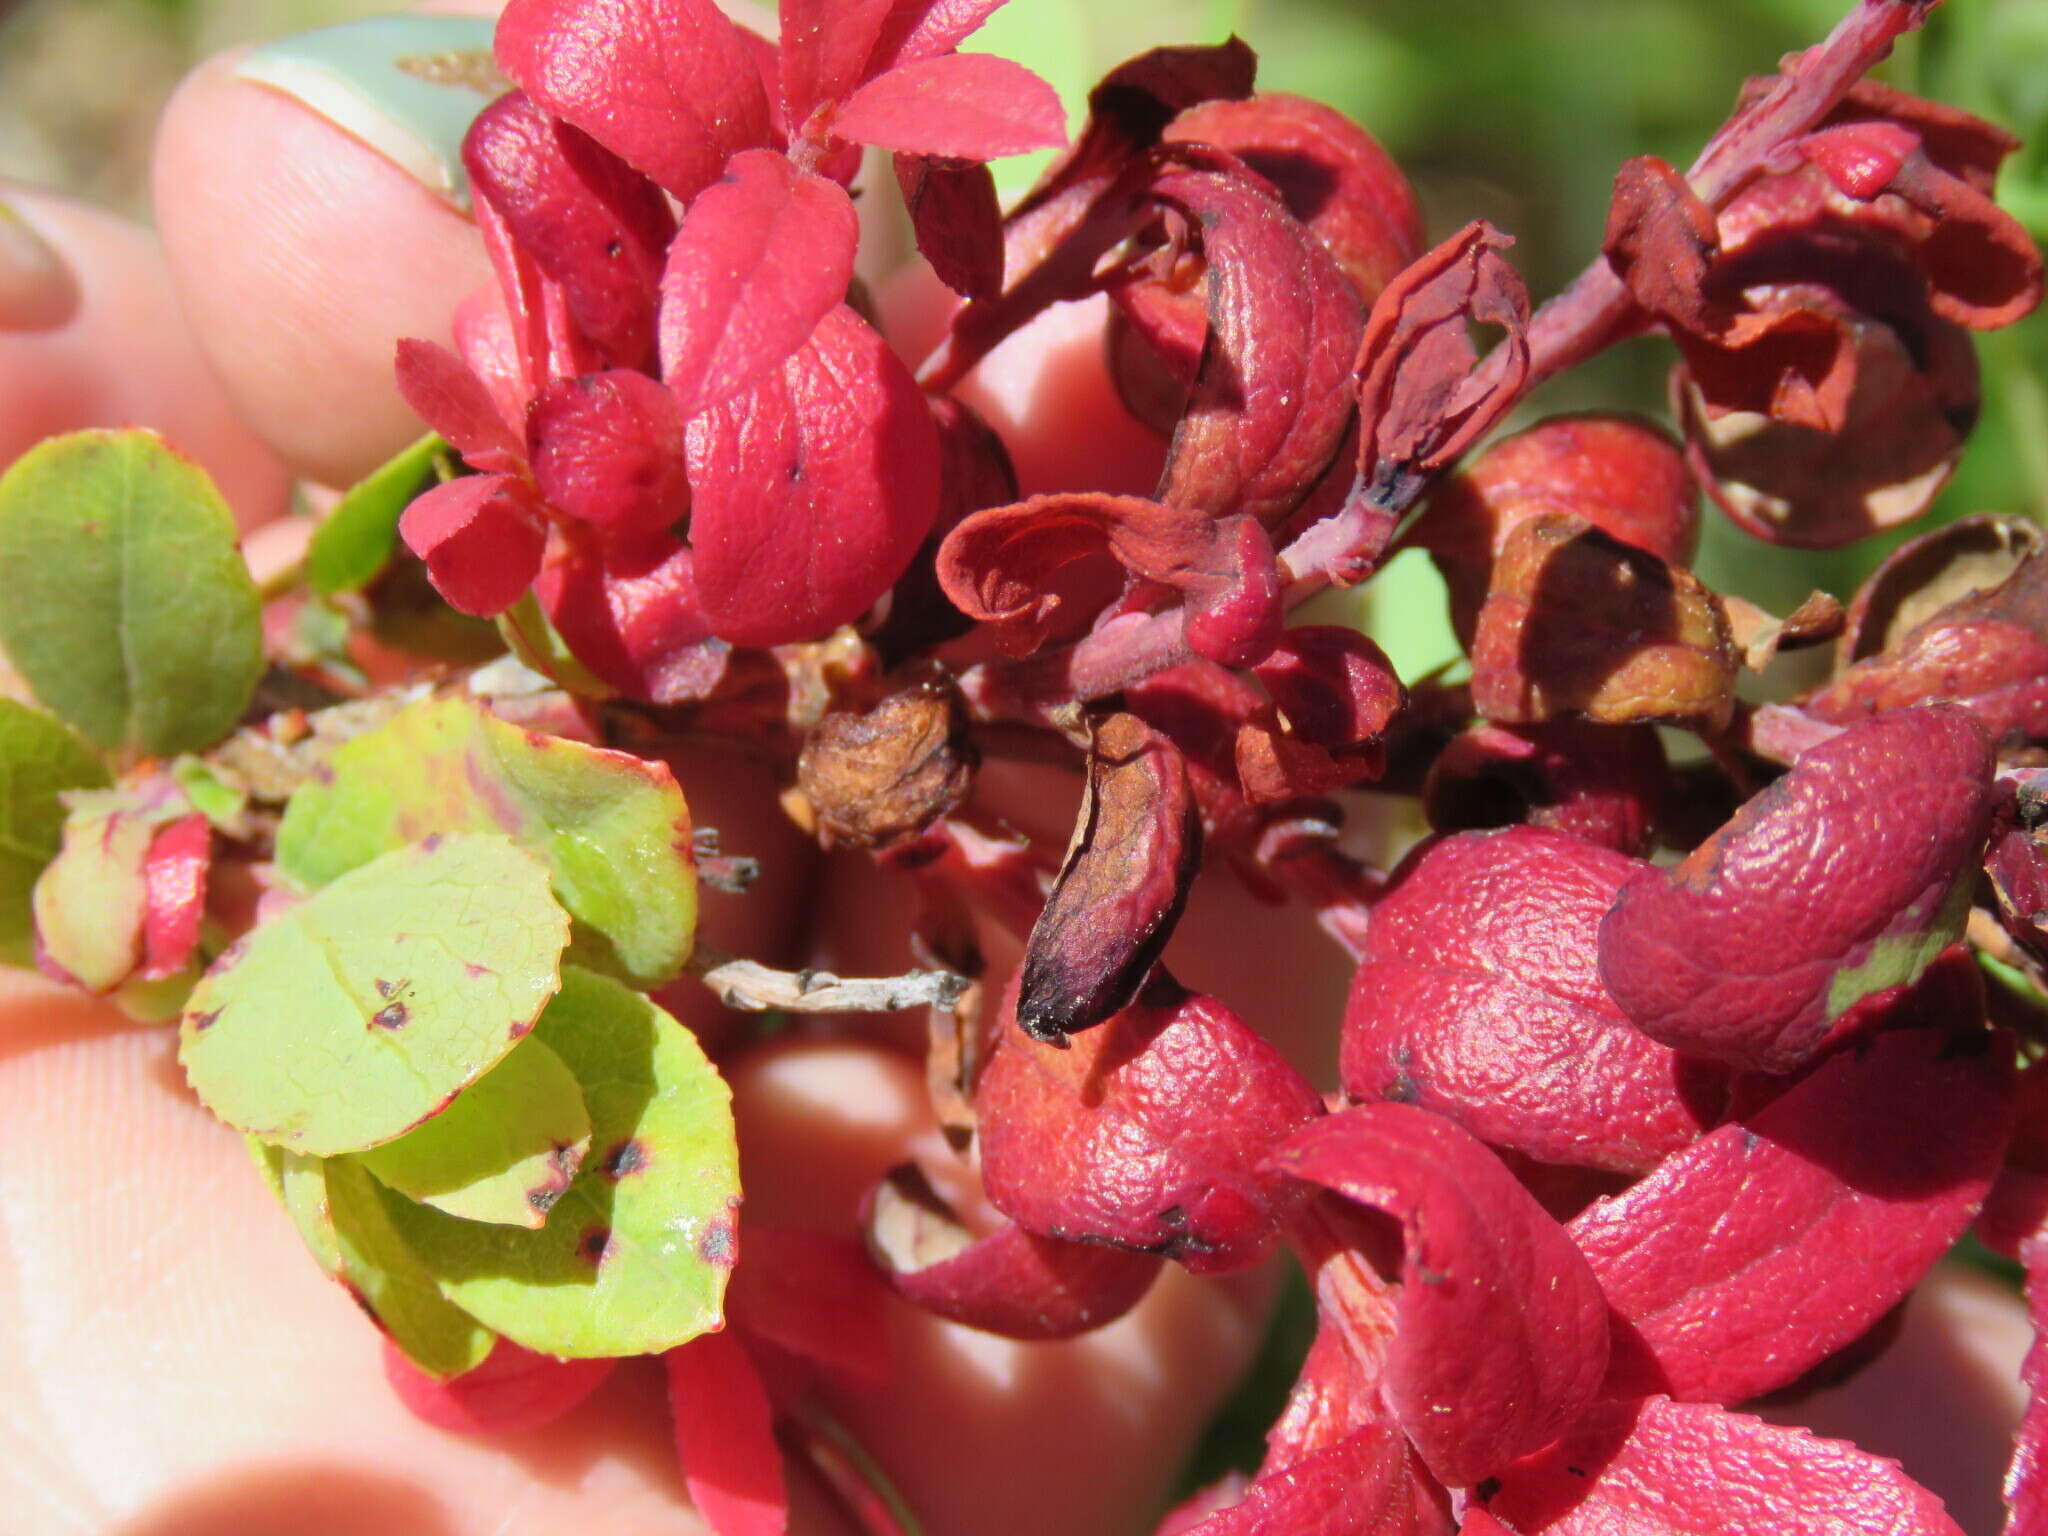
[[303, 255]]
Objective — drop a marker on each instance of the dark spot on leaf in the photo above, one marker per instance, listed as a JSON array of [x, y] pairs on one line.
[[717, 1245], [543, 1196], [1401, 1090], [391, 1016], [1485, 1489], [430, 842], [1173, 1217], [1576, 1471], [389, 989], [614, 249], [200, 1021], [592, 1242], [472, 970], [1749, 1140], [1430, 1276], [628, 1156], [518, 1029]]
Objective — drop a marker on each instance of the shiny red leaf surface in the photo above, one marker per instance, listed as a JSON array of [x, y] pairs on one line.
[[1659, 1468], [1769, 1244], [1509, 1031], [812, 489], [608, 448], [669, 86], [957, 221], [174, 894], [1357, 1487], [1755, 949], [964, 106], [761, 257], [1146, 1132], [1500, 1332], [725, 1438], [481, 537]]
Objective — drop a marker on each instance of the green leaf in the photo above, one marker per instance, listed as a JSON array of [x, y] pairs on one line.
[[503, 1152], [89, 902], [340, 1214], [613, 828], [39, 756], [128, 608], [354, 543], [634, 1257], [528, 634], [352, 1017]]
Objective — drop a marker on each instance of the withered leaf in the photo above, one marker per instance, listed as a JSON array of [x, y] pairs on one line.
[[887, 773], [1136, 847]]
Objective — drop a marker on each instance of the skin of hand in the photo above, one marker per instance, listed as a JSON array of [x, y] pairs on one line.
[[173, 1364]]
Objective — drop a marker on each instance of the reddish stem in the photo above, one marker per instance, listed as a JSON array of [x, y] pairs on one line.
[[1592, 313]]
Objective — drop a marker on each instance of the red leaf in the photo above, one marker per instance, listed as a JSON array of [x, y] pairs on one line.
[[1331, 173], [1767, 1245], [957, 221], [813, 489], [628, 609], [481, 537], [1421, 399], [1145, 1133], [920, 29], [590, 222], [174, 894], [1754, 950], [1603, 783], [725, 1438], [761, 257], [1357, 1487], [1010, 1282], [1623, 475], [1658, 1468], [513, 1391], [1509, 1030], [825, 48], [2026, 1482], [1269, 406], [816, 1295], [995, 567], [669, 86], [1501, 1332], [448, 397], [1336, 687], [965, 106], [1136, 847], [608, 448]]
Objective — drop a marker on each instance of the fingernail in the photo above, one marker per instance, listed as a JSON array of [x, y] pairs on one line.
[[407, 86], [38, 291]]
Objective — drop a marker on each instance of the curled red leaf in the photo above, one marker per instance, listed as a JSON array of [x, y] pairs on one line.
[[1500, 1332], [825, 46], [1136, 847], [812, 489], [1145, 1133], [761, 257], [669, 86], [997, 564], [919, 29], [957, 221], [1658, 1467], [1331, 173], [1749, 1257], [1577, 623], [1756, 948], [1623, 475], [1268, 408], [1421, 399], [1509, 1031], [1009, 1282], [513, 1391], [591, 223], [964, 106]]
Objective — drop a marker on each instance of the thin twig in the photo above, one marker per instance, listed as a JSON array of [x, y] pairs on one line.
[[747, 986]]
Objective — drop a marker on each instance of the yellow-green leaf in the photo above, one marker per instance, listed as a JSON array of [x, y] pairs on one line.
[[504, 1151], [613, 828], [352, 1017], [634, 1257], [39, 758]]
